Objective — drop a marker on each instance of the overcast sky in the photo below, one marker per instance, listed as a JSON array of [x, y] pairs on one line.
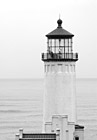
[[24, 24]]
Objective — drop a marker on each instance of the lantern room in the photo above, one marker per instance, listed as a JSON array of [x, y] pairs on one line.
[[59, 45]]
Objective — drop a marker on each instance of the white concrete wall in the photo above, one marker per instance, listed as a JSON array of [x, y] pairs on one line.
[[61, 126], [48, 127], [59, 97], [71, 128]]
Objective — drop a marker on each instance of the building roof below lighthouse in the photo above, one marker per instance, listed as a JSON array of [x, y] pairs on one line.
[[59, 32]]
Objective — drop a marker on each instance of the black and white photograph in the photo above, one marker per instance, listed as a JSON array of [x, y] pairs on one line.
[[48, 70]]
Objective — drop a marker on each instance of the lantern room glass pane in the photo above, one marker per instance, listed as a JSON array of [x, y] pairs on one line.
[[50, 42], [66, 42], [53, 50], [57, 42], [62, 42], [70, 49], [70, 43], [57, 50], [66, 50], [61, 49], [53, 42]]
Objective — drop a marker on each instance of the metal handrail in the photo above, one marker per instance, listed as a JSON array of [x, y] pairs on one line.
[[59, 56]]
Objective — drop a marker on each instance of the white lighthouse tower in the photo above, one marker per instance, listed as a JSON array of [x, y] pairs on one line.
[[60, 75], [59, 114]]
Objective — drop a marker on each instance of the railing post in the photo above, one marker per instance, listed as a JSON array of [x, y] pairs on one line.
[[57, 134], [67, 135], [17, 136], [21, 133]]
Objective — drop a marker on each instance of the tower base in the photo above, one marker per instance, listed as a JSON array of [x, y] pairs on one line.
[[58, 129]]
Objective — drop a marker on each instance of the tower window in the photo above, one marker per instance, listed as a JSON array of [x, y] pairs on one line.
[[71, 68], [48, 68], [76, 138], [66, 68], [60, 67], [74, 68], [45, 68], [52, 68]]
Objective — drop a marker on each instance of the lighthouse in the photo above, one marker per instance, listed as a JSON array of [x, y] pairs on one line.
[[59, 107], [60, 75]]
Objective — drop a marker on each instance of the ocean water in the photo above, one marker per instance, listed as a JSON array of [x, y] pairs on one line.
[[21, 106]]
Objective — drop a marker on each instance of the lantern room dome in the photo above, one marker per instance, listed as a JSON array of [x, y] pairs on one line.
[[59, 32]]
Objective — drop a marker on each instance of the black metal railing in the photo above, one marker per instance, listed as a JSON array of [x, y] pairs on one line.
[[36, 139], [40, 136], [59, 56]]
